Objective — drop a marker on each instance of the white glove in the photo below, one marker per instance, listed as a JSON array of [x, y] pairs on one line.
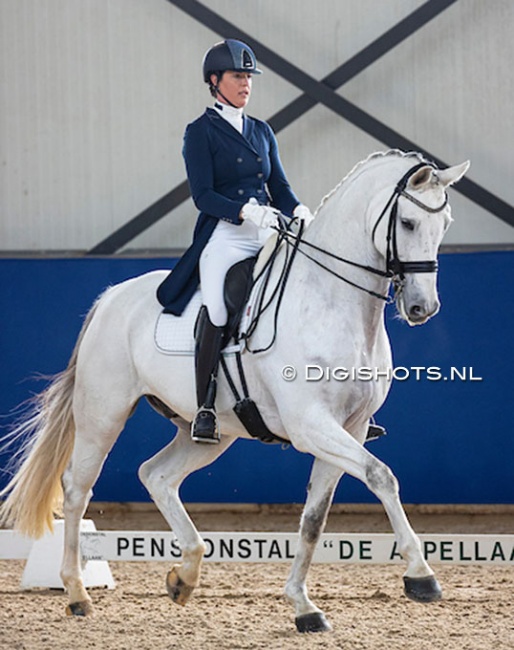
[[303, 213], [261, 215]]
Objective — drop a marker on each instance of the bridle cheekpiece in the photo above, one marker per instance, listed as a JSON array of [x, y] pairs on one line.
[[395, 267]]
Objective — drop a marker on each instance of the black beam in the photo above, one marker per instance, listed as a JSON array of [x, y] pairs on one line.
[[363, 59], [283, 118], [302, 104], [142, 221], [321, 93]]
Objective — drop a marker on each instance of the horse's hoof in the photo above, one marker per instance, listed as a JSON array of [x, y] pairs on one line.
[[314, 622], [177, 589], [82, 608], [423, 590]]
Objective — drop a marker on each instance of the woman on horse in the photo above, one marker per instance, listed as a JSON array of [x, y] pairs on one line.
[[238, 183]]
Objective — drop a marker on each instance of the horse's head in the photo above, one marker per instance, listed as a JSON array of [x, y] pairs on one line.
[[410, 234]]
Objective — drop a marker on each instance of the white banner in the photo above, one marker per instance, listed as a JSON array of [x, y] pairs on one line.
[[334, 548]]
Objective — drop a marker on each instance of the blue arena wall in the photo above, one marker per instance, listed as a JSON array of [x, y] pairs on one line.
[[448, 441]]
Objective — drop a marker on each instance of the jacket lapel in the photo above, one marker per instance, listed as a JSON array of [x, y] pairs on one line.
[[218, 122]]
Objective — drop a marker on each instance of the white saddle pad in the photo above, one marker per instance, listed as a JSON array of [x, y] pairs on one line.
[[175, 334]]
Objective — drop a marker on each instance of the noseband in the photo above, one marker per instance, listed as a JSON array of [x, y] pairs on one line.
[[395, 268]]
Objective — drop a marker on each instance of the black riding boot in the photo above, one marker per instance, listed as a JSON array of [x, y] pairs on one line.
[[207, 354]]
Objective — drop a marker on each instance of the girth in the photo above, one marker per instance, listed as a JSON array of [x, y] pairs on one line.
[[238, 285]]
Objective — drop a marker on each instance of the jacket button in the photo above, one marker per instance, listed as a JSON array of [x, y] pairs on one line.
[[239, 160], [259, 191], [260, 175], [259, 159], [240, 192]]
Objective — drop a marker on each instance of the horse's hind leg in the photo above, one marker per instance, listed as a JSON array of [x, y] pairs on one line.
[[323, 481], [162, 476], [92, 445]]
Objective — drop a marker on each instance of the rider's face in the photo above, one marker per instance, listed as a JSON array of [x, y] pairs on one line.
[[235, 86]]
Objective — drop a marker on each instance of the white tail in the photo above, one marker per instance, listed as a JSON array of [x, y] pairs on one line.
[[45, 437]]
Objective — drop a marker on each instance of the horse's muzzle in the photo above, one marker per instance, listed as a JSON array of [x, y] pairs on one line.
[[419, 311]]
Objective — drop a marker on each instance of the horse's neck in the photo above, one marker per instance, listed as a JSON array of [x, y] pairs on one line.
[[344, 221], [342, 227]]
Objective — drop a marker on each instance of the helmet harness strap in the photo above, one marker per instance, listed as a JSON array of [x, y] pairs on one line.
[[218, 91]]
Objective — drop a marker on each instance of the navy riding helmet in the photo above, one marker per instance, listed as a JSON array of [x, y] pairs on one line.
[[229, 55]]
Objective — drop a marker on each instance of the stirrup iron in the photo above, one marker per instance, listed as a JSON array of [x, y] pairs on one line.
[[204, 427]]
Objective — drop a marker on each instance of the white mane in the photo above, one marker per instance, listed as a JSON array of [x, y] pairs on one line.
[[378, 155]]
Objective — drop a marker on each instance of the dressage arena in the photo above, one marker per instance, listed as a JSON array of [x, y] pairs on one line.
[[95, 100], [240, 605]]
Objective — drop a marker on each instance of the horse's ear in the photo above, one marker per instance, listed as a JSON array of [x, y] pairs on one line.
[[451, 175], [421, 177]]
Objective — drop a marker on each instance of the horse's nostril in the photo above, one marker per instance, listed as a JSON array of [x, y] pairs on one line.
[[416, 311]]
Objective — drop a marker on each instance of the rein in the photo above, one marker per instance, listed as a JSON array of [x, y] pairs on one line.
[[395, 268], [280, 287]]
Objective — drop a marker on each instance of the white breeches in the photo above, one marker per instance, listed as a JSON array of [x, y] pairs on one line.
[[228, 245]]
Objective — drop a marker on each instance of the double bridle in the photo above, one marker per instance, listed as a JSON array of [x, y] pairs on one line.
[[395, 269]]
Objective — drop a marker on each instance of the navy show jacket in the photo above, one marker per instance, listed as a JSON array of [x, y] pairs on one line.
[[225, 169]]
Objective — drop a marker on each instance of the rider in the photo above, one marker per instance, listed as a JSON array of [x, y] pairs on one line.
[[238, 183]]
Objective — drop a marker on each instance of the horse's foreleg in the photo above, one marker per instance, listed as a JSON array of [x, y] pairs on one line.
[[162, 476], [336, 446], [419, 580], [323, 481]]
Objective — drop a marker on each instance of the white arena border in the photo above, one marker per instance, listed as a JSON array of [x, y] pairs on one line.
[[333, 548]]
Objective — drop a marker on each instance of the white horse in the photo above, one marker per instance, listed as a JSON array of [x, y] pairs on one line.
[[390, 212]]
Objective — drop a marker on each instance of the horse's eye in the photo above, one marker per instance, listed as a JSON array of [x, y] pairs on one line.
[[407, 224]]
